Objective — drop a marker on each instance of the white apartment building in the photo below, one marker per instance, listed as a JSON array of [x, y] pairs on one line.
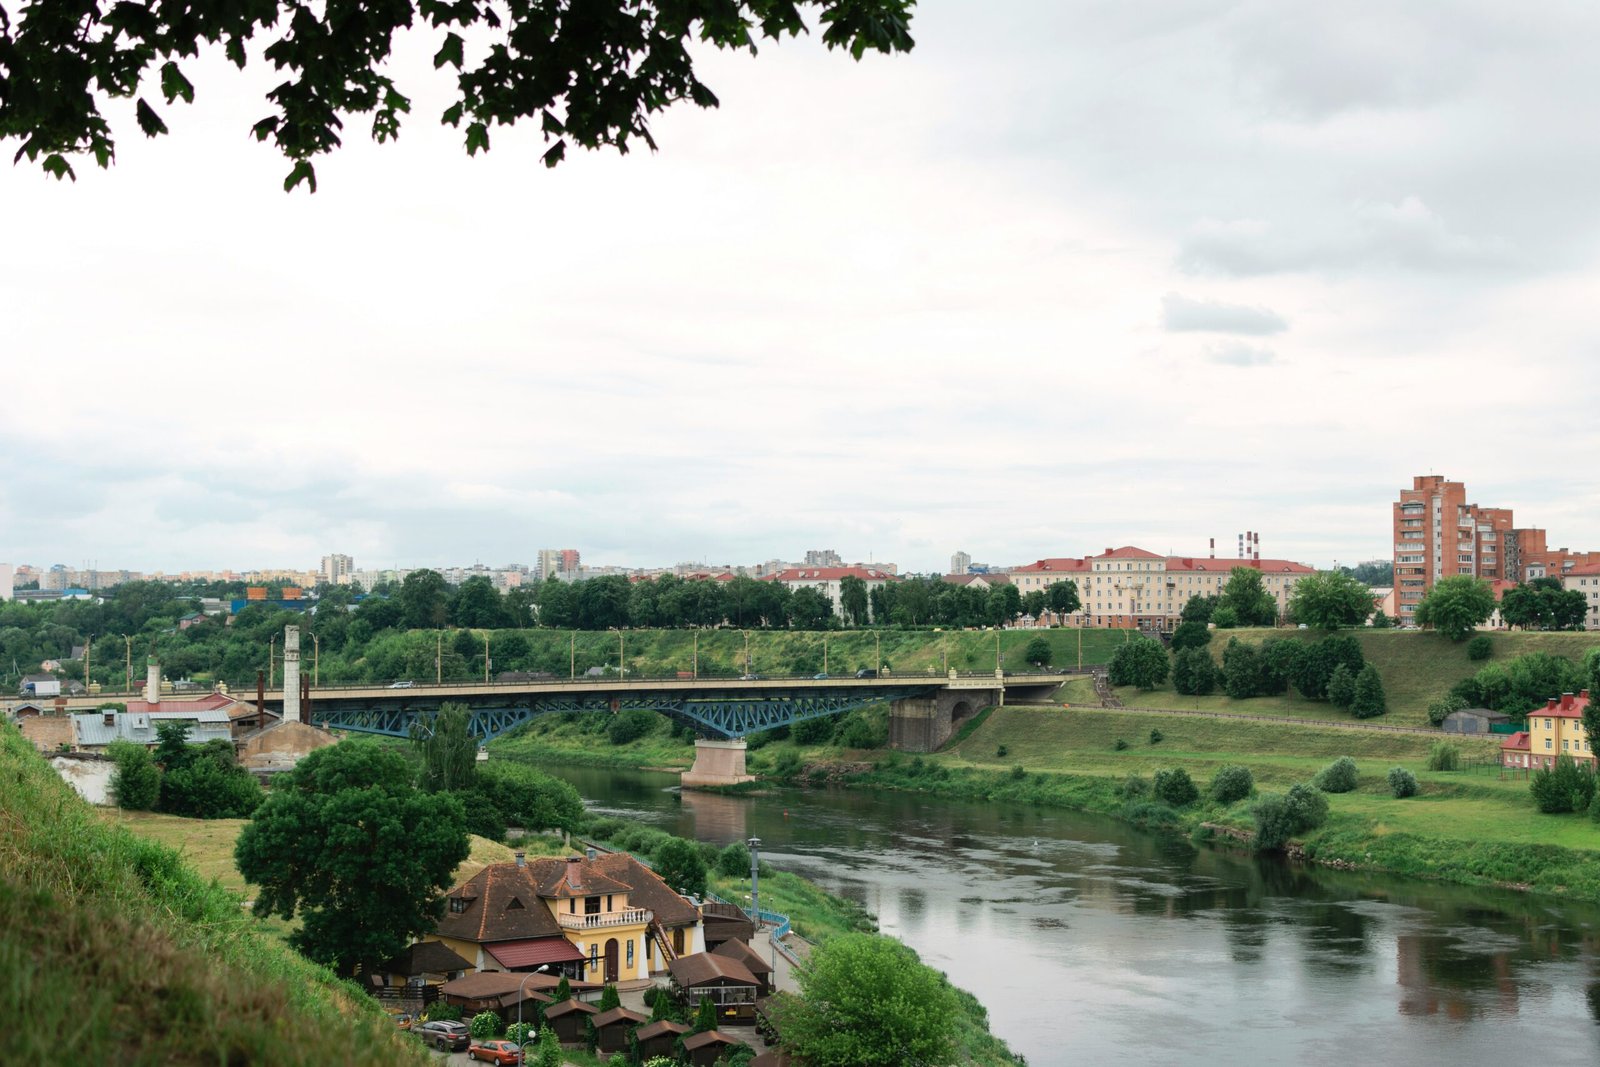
[[1586, 580], [829, 580]]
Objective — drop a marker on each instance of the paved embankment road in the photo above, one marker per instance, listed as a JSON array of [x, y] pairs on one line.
[[1332, 724]]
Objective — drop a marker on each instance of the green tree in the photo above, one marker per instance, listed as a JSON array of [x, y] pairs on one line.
[[1369, 700], [589, 80], [207, 787], [1402, 783], [1003, 604], [1194, 673], [1034, 603], [1199, 608], [1589, 714], [1342, 688], [1456, 605], [1062, 597], [1190, 635], [1279, 818], [1252, 605], [1232, 784], [449, 751], [1141, 662], [705, 1016], [809, 609], [549, 1051], [1175, 787], [477, 604], [135, 778], [734, 860], [1329, 600], [1340, 776], [172, 743], [681, 866], [867, 1001], [1564, 788], [348, 845], [853, 600], [528, 798], [1038, 652], [609, 998], [424, 600], [1223, 617], [1480, 647], [1241, 670]]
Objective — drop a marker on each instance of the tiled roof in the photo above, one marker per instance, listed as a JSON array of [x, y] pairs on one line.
[[534, 951], [617, 1015], [1127, 552], [427, 957], [659, 1027], [741, 951], [707, 1037], [704, 968], [1062, 563], [1223, 566], [567, 1007], [1517, 742], [1566, 706], [830, 574], [1584, 570], [647, 890]]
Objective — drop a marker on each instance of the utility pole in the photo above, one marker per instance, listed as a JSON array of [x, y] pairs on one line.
[[877, 651], [824, 652], [622, 655], [438, 659], [272, 655], [755, 878], [572, 656], [997, 648], [316, 660], [127, 642], [694, 656], [87, 646], [747, 669]]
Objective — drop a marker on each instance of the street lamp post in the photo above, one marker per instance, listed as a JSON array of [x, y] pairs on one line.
[[127, 684], [88, 647], [755, 878], [520, 987], [272, 653], [316, 660], [486, 657]]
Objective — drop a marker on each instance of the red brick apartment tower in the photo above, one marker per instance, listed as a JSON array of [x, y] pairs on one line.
[[1437, 534]]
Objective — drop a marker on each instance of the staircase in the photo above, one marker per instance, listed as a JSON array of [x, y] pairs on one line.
[[664, 940]]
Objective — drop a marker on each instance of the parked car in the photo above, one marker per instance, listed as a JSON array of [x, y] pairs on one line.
[[819, 677], [444, 1035], [402, 1019], [503, 1052], [403, 685], [867, 672]]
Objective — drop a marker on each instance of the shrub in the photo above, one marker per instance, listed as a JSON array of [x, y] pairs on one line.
[[136, 780], [1156, 737], [734, 861], [1278, 818], [1000, 751], [1018, 773], [1190, 635], [816, 731], [1149, 814], [1566, 787], [1139, 662], [1133, 787], [1194, 673], [444, 1012], [1369, 700], [1480, 648], [1402, 783], [519, 1033], [860, 732], [626, 726], [1175, 787], [1341, 687], [1308, 805], [1038, 652], [484, 1025], [1439, 710], [1232, 783], [1121, 745], [787, 765], [609, 997], [1444, 756], [1340, 776]]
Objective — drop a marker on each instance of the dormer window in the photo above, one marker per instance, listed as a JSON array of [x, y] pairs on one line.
[[516, 902], [458, 905]]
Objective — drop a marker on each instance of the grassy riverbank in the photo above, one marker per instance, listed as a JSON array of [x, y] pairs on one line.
[[121, 953]]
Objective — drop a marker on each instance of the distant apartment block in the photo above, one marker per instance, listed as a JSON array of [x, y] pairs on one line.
[[336, 569], [7, 579], [559, 563], [1438, 534], [823, 557], [829, 580], [960, 562], [1585, 578], [1131, 588]]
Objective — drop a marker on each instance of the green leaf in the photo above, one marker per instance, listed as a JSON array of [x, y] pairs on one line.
[[265, 128], [452, 115], [477, 138], [449, 52], [556, 153], [57, 167], [149, 121], [234, 50], [303, 172], [174, 84]]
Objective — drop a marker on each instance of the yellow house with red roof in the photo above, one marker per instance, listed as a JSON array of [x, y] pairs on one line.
[[1554, 729]]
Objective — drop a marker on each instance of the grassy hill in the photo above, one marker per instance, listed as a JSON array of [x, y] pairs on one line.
[[120, 953]]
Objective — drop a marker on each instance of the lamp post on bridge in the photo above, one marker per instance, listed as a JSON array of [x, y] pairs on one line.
[[877, 651], [316, 660], [485, 657]]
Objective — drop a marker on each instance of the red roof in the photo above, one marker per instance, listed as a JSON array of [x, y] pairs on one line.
[[1585, 569], [1223, 566], [830, 574], [1517, 742], [1064, 563], [1127, 552], [534, 952], [1567, 706], [209, 702]]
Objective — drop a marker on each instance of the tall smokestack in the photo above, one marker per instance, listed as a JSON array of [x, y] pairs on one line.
[[1213, 548], [152, 681], [291, 674]]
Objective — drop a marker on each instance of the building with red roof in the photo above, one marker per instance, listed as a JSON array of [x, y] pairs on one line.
[[830, 581], [1557, 729], [1585, 578]]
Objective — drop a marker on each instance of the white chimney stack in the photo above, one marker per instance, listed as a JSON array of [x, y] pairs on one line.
[[152, 682], [291, 674]]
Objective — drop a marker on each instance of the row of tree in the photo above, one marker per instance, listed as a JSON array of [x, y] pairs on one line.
[[1331, 669], [177, 778]]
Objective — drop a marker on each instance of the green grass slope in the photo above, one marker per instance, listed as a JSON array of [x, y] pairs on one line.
[[112, 950]]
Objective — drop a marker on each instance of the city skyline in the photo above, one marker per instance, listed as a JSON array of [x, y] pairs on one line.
[[1060, 278]]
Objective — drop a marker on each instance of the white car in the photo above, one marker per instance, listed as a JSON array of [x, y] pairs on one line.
[[403, 685]]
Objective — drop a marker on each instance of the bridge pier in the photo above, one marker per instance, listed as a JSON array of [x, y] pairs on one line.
[[717, 763], [924, 723]]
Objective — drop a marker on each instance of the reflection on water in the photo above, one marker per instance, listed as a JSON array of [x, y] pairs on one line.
[[1085, 938]]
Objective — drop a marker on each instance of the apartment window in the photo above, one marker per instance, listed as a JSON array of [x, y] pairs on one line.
[[1547, 743], [630, 953]]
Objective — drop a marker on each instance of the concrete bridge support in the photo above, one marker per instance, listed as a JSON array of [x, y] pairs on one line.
[[922, 724], [717, 763]]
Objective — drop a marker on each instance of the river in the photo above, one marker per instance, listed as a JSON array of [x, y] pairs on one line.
[[1091, 942]]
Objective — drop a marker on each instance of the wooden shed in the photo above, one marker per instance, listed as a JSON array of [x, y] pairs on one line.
[[760, 968], [569, 1019], [657, 1039], [705, 1049], [724, 922], [725, 981], [611, 1029]]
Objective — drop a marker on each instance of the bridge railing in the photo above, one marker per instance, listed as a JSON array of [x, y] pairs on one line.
[[882, 678]]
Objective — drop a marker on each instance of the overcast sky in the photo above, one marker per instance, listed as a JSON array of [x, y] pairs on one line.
[[1069, 275]]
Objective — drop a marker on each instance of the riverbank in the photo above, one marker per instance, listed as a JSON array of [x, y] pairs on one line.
[[1469, 827]]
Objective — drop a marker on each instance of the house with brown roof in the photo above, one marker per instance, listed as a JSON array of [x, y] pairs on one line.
[[707, 1047], [758, 967], [570, 1020], [657, 1039], [723, 980], [499, 991], [601, 918], [610, 1029]]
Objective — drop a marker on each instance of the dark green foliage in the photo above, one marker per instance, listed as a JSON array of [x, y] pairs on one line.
[[1139, 662], [1402, 783], [1231, 784], [1199, 608], [1062, 597], [1330, 601], [1480, 648], [1001, 750], [1241, 670], [1369, 699], [1521, 684], [627, 726], [528, 798], [818, 731], [1340, 776], [1156, 737], [1279, 818], [484, 1025], [609, 998], [207, 788], [1444, 756], [1038, 652], [1121, 745], [1018, 773], [1317, 664], [1382, 621], [1543, 604], [1342, 688], [867, 1001], [858, 731], [1280, 661], [1194, 673], [1134, 787], [1590, 713], [1224, 617], [1455, 605], [1190, 635], [449, 751], [1247, 599], [705, 1016], [172, 743], [1440, 709], [352, 849], [444, 1012], [734, 860], [1175, 787], [135, 779], [681, 866], [1308, 805], [483, 816], [1566, 787]]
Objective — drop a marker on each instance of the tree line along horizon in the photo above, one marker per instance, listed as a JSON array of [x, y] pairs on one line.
[[423, 628]]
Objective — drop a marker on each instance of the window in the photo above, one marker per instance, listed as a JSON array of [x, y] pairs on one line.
[[1548, 744], [458, 905], [594, 954], [630, 953], [591, 905]]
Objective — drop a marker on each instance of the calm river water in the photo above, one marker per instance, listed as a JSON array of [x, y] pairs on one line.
[[1090, 942]]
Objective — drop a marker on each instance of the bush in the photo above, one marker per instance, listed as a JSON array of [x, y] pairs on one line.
[[860, 732], [1018, 773], [1480, 648], [1139, 662], [1439, 710], [1038, 652], [1308, 805], [1340, 776], [1564, 788], [1133, 787], [1341, 687], [734, 861], [136, 780], [1231, 784], [1000, 751], [519, 1033], [444, 1012], [484, 1025], [1121, 745], [1402, 783], [1279, 818], [1194, 673], [626, 726], [1190, 635], [787, 765], [1444, 756], [1175, 787], [1156, 737], [818, 731]]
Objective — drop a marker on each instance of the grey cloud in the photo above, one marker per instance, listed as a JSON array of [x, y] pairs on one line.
[[1236, 354], [1179, 314]]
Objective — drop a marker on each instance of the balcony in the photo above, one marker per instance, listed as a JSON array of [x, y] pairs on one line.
[[626, 917]]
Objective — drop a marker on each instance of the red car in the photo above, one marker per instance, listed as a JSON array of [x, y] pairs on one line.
[[503, 1052]]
